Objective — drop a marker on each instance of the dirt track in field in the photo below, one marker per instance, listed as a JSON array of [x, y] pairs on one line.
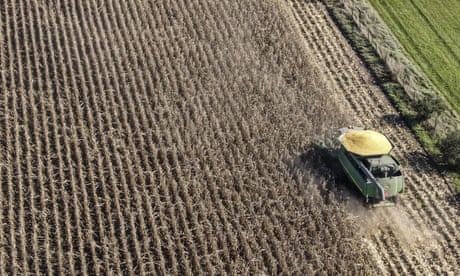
[[422, 234]]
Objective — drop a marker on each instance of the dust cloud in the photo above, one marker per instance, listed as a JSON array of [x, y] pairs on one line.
[[391, 219]]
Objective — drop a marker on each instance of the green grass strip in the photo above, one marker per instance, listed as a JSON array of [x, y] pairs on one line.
[[429, 31]]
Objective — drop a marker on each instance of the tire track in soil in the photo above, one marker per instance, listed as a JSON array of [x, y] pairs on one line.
[[425, 197]]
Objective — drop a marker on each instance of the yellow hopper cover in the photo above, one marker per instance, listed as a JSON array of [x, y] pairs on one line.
[[365, 142]]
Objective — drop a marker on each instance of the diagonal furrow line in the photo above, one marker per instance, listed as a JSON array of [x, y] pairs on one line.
[[33, 149], [19, 137], [5, 155]]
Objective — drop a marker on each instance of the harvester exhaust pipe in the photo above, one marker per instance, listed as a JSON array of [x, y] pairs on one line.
[[380, 190]]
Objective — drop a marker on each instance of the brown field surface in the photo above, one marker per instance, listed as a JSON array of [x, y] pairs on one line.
[[174, 137], [159, 137]]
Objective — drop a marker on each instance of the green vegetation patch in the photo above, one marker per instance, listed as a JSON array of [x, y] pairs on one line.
[[429, 30]]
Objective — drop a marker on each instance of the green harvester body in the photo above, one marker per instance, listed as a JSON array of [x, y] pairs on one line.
[[366, 160]]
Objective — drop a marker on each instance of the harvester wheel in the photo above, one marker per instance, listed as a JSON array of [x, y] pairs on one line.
[[395, 199], [370, 202]]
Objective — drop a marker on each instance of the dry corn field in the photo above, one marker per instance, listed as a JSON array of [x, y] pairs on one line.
[[174, 137]]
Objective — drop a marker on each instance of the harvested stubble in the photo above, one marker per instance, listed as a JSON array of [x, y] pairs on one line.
[[157, 137]]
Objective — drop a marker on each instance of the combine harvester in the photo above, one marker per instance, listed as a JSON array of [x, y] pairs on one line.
[[366, 160]]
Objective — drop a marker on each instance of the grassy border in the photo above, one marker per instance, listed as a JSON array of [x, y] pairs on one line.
[[392, 88]]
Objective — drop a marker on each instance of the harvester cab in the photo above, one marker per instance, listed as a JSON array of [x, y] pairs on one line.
[[367, 162]]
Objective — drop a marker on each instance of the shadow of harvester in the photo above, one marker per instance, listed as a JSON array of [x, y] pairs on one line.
[[321, 157]]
